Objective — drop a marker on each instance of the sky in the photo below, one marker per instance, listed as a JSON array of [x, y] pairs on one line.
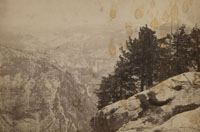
[[36, 17]]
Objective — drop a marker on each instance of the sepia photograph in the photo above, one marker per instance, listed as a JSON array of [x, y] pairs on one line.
[[99, 65]]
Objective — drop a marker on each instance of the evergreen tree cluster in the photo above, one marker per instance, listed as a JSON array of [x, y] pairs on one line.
[[148, 60]]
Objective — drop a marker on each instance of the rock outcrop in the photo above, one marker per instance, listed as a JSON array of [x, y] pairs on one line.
[[173, 105], [37, 96]]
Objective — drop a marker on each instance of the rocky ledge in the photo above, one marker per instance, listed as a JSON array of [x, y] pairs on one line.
[[171, 106]]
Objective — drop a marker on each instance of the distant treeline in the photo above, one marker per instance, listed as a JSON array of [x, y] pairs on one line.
[[147, 60]]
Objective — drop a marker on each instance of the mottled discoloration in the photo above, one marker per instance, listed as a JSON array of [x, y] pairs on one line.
[[123, 103], [174, 12], [195, 120], [139, 13], [155, 23], [113, 11], [185, 6], [112, 48], [129, 29], [76, 102], [165, 17], [170, 2], [163, 45], [121, 45], [153, 3], [102, 9], [191, 2]]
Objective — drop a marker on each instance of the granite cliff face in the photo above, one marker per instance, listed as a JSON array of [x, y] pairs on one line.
[[38, 96], [173, 105]]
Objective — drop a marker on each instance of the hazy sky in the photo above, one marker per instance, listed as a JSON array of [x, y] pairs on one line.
[[50, 16]]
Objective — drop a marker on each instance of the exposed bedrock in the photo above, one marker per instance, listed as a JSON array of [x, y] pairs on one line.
[[162, 108]]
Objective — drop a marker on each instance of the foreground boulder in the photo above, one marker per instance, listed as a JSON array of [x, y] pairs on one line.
[[172, 105], [184, 122]]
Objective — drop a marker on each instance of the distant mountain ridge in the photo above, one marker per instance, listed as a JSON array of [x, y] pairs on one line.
[[37, 95]]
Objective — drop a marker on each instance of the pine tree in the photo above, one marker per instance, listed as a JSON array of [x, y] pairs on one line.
[[141, 59], [164, 58], [124, 71], [181, 46], [137, 68], [106, 92], [147, 61], [195, 55]]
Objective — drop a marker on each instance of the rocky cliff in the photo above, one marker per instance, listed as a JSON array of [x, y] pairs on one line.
[[38, 96], [173, 105]]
